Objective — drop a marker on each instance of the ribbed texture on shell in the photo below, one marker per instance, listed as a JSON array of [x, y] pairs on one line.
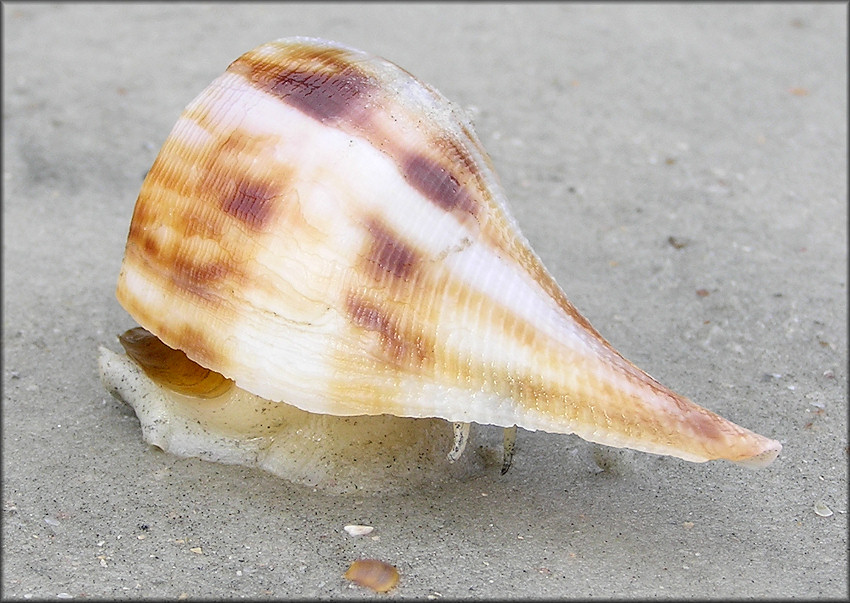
[[327, 231]]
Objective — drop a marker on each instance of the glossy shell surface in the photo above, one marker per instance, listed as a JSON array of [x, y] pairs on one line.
[[327, 231]]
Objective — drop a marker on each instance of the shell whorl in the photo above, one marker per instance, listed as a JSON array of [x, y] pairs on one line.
[[328, 231]]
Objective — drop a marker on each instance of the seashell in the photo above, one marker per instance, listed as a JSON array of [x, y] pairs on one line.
[[358, 530], [378, 575], [325, 231]]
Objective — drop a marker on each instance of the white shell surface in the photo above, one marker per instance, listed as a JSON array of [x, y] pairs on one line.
[[327, 231]]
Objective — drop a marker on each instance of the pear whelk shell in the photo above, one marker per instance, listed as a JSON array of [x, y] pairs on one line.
[[327, 231]]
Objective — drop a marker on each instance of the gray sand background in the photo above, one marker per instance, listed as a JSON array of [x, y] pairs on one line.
[[682, 171]]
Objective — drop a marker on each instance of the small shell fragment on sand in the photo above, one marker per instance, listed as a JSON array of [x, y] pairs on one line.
[[358, 530], [373, 573], [822, 509]]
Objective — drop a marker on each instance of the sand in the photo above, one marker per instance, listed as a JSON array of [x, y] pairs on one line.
[[681, 170]]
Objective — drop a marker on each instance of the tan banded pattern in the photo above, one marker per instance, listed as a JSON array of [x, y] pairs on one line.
[[286, 238]]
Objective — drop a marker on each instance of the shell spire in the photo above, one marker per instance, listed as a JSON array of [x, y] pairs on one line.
[[327, 231]]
